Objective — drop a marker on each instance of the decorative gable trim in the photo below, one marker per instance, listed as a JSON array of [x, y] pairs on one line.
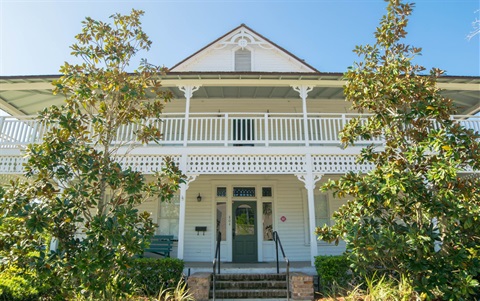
[[246, 36]]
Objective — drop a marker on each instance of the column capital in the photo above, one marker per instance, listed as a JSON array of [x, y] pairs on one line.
[[303, 90], [188, 90]]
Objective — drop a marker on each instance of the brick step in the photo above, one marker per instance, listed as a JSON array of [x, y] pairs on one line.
[[251, 277], [250, 286], [264, 284], [250, 294]]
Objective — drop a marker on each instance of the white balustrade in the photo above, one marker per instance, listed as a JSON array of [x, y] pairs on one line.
[[217, 129]]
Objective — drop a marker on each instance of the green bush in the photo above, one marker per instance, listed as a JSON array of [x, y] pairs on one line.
[[150, 274], [333, 271], [15, 286]]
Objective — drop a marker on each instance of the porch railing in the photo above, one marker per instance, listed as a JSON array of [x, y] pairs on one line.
[[278, 244], [216, 263], [218, 129]]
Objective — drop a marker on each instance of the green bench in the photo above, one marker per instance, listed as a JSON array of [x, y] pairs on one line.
[[160, 245]]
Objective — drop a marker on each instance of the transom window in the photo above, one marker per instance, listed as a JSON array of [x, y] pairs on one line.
[[244, 191]]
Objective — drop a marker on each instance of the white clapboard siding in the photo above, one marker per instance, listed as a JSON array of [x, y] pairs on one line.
[[289, 105], [290, 205], [269, 60], [264, 60], [215, 60], [199, 247]]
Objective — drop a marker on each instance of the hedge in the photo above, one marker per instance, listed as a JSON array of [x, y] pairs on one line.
[[150, 274], [333, 271]]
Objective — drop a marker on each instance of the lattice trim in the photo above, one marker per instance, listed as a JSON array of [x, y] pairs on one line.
[[12, 164], [243, 164]]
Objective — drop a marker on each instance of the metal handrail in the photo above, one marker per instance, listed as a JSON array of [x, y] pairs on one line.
[[277, 241], [216, 260]]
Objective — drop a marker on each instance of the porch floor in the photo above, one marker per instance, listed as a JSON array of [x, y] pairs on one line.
[[192, 267]]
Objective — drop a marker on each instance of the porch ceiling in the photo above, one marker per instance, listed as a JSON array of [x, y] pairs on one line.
[[26, 95]]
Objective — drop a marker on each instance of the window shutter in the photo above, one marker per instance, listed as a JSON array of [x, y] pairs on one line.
[[243, 60]]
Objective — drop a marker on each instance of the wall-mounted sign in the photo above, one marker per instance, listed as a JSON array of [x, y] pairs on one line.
[[283, 218]]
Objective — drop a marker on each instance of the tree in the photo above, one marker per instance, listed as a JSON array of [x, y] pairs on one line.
[[78, 192], [476, 28], [416, 213]]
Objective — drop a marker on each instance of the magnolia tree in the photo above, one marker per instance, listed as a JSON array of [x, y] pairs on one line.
[[417, 212], [78, 192]]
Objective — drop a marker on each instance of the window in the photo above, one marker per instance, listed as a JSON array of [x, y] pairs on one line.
[[243, 60], [221, 191], [168, 217], [322, 216], [222, 219], [244, 191], [267, 221], [266, 191]]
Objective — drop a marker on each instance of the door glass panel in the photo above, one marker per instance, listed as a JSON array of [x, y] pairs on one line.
[[222, 219], [244, 220]]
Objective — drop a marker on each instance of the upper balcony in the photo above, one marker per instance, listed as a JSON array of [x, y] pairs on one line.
[[219, 130]]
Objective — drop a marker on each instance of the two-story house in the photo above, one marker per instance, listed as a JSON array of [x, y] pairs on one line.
[[254, 128]]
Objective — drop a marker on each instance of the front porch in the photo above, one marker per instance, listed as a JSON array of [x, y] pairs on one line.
[[305, 267]]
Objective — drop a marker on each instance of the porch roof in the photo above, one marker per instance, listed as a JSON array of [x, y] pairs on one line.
[[26, 95]]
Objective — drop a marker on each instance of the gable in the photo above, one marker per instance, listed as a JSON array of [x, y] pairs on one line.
[[243, 50]]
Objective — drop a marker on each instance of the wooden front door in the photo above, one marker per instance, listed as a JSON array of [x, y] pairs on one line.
[[244, 231]]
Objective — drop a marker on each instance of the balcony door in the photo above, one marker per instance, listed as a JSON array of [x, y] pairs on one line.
[[244, 231], [243, 131]]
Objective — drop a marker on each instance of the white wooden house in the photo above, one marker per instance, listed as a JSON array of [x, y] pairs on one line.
[[254, 128]]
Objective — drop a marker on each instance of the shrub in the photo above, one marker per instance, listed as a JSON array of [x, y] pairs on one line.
[[151, 275], [333, 271], [179, 293], [15, 286]]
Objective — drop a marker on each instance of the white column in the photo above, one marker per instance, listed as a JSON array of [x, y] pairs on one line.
[[181, 218], [303, 91], [310, 180], [188, 92]]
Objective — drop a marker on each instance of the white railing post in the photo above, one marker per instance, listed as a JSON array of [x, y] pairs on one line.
[[2, 121], [226, 130], [267, 138]]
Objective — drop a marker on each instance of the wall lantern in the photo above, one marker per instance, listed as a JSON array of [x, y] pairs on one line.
[[199, 198]]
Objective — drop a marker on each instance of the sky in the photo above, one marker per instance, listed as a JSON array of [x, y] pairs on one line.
[[36, 34]]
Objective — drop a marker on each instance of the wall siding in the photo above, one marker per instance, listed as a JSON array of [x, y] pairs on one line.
[[264, 60], [199, 247], [273, 61]]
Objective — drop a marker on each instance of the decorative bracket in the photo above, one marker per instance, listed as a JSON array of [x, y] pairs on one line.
[[310, 182], [190, 179], [188, 90], [303, 90]]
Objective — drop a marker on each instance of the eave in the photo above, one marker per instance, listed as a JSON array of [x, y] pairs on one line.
[[26, 95]]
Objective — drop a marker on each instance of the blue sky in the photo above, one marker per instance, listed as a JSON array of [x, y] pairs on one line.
[[36, 35]]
